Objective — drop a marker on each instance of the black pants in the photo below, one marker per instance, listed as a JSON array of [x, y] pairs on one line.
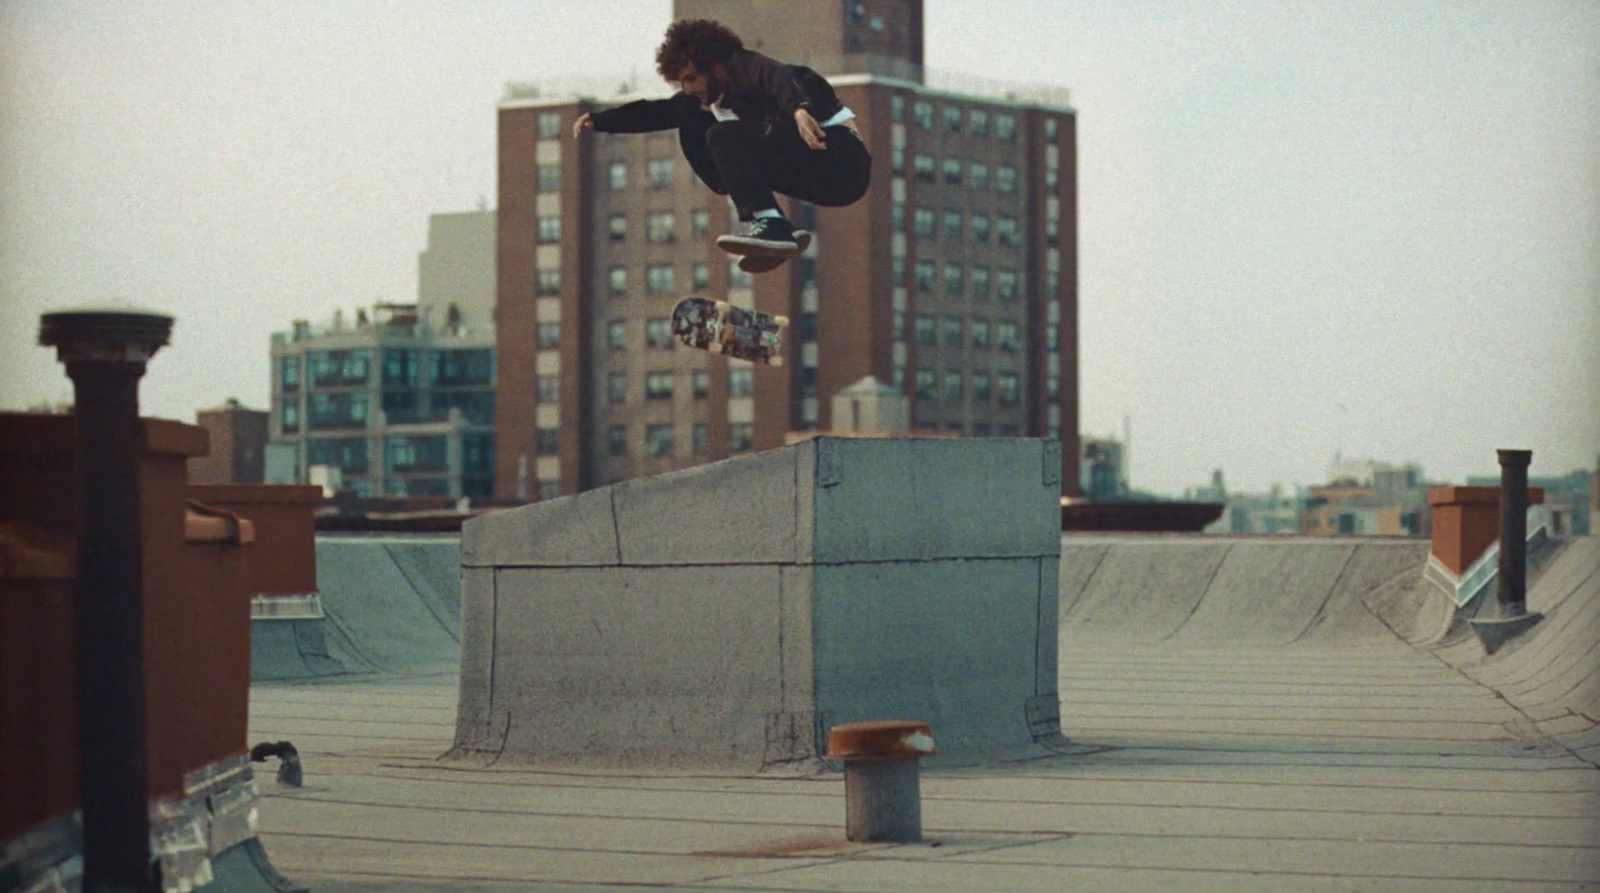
[[758, 159]]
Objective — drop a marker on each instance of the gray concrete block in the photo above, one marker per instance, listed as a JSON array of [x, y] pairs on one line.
[[950, 642], [629, 666], [473, 708], [739, 511], [571, 531], [910, 499]]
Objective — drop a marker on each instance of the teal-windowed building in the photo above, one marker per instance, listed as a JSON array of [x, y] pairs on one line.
[[401, 404]]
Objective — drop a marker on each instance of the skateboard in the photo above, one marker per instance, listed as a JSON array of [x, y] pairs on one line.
[[763, 262], [720, 327]]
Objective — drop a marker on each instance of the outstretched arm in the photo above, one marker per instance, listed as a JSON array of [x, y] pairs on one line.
[[639, 116]]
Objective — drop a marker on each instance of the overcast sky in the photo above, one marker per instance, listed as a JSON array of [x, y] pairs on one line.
[[1363, 227]]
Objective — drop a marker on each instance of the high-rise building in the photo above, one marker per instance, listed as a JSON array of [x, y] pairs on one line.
[[953, 280], [455, 273], [401, 404]]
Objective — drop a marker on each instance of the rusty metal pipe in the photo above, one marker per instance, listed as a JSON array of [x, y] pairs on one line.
[[1513, 591], [105, 353]]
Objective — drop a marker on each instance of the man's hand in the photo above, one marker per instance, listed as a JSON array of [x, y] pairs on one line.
[[810, 130], [583, 123]]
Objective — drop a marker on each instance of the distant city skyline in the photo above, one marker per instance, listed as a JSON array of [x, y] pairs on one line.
[[1365, 228]]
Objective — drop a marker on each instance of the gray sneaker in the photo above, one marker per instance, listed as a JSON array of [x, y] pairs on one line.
[[764, 235]]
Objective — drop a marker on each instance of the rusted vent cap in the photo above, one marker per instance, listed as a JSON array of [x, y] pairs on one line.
[[885, 739]]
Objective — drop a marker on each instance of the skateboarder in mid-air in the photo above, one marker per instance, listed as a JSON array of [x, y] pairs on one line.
[[749, 126]]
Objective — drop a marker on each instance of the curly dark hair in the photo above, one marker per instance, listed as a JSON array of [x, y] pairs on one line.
[[702, 41]]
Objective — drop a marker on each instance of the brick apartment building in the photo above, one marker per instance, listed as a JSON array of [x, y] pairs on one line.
[[953, 279]]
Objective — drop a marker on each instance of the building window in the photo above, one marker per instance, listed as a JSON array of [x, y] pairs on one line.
[[1005, 337], [980, 332], [978, 123], [1053, 386], [1050, 130], [549, 335], [897, 160], [549, 230], [1005, 285], [658, 333], [617, 227], [549, 178], [1005, 127], [951, 329], [477, 407], [349, 454], [400, 368], [549, 490], [658, 439], [1008, 389], [924, 167], [339, 368], [549, 282], [617, 175], [549, 125], [617, 334], [952, 278], [477, 453], [658, 279], [1052, 231], [617, 440], [897, 270], [980, 387], [617, 387], [952, 387], [701, 383], [658, 385], [897, 217], [741, 438], [952, 119], [980, 227], [418, 453], [617, 281], [658, 171], [1052, 337], [741, 382], [289, 373], [952, 171], [978, 175], [925, 388], [547, 442], [952, 224], [702, 438], [549, 388], [922, 223], [897, 108], [897, 326], [978, 282], [659, 226], [701, 274], [922, 113], [457, 368], [1005, 178], [1052, 177], [700, 222], [401, 406], [925, 330], [925, 276], [1005, 230], [291, 416]]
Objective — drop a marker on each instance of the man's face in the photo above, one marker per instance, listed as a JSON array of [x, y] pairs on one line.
[[705, 86]]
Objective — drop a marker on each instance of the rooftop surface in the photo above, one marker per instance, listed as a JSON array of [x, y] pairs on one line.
[[1223, 738]]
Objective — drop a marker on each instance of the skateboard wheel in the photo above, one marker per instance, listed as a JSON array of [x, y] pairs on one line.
[[782, 321], [775, 361]]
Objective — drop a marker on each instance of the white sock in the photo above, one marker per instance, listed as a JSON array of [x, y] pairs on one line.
[[770, 212]]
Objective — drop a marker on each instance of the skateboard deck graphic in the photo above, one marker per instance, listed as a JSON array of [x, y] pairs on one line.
[[720, 327]]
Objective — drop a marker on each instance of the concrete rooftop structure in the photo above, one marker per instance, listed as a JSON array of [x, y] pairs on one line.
[[1241, 713]]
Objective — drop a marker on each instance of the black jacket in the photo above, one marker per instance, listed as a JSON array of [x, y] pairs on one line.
[[759, 89]]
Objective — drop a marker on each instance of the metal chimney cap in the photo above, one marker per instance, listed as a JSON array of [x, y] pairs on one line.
[[105, 334]]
